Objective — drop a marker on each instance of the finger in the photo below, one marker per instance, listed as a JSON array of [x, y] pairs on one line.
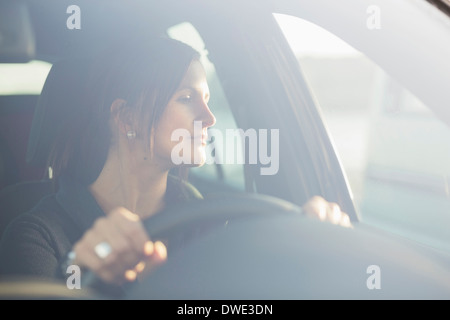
[[158, 257], [334, 213], [139, 267], [316, 207], [345, 221], [160, 251], [123, 256], [337, 216], [84, 257], [132, 228], [149, 248], [130, 275], [87, 258]]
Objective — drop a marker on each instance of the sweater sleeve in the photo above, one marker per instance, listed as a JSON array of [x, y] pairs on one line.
[[27, 249]]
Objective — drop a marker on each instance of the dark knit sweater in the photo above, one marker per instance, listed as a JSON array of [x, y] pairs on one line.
[[36, 242]]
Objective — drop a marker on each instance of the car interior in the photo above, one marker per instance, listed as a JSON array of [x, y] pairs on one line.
[[30, 123], [25, 174], [255, 82]]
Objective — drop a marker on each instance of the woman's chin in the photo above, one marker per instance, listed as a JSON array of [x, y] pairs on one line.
[[195, 162], [198, 163], [198, 158]]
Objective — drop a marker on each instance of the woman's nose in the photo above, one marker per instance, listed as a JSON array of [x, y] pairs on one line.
[[208, 118]]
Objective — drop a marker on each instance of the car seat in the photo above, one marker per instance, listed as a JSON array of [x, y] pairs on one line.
[[57, 103]]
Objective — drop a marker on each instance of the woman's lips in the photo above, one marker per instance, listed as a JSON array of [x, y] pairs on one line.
[[202, 138]]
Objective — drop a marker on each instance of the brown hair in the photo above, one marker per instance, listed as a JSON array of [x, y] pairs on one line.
[[146, 74]]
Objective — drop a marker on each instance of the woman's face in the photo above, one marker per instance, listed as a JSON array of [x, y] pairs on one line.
[[180, 135]]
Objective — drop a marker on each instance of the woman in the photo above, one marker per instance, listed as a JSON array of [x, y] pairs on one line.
[[113, 164]]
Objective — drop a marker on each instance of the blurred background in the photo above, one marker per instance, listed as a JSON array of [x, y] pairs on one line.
[[394, 151]]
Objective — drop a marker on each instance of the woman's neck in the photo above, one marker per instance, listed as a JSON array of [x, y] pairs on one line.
[[140, 190]]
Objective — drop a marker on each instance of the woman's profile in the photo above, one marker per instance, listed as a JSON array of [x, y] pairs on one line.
[[113, 166]]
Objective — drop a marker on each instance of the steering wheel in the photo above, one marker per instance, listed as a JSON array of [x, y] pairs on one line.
[[210, 212], [215, 209]]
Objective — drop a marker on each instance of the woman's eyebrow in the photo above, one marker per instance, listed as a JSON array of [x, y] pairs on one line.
[[198, 89], [188, 88]]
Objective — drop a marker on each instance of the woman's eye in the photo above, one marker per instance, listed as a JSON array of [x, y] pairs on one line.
[[185, 98]]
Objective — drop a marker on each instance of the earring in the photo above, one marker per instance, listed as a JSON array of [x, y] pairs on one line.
[[131, 134]]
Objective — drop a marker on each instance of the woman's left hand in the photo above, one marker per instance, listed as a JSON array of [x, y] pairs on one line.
[[318, 207]]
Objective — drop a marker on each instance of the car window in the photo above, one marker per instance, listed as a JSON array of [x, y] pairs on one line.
[[23, 78], [394, 150], [217, 167]]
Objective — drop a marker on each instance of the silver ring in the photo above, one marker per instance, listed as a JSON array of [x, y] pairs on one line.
[[103, 249]]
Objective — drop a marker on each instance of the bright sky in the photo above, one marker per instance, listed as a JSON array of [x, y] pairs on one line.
[[23, 78], [307, 39]]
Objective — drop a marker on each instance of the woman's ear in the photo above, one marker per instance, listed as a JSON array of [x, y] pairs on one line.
[[121, 115]]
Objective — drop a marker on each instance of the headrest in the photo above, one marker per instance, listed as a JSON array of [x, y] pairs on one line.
[[60, 100]]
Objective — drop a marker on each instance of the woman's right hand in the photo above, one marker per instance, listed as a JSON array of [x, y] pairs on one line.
[[117, 248], [320, 208]]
